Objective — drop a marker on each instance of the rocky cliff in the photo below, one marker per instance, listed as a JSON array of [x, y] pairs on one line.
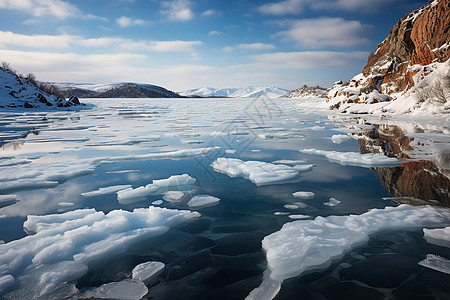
[[133, 90], [402, 65], [307, 92]]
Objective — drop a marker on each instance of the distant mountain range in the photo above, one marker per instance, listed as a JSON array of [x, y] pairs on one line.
[[247, 92], [137, 90], [117, 90]]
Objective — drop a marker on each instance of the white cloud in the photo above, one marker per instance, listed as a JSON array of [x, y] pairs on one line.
[[36, 41], [125, 21], [298, 6], [256, 46], [40, 8], [251, 46], [310, 59], [211, 12], [214, 32], [283, 7], [8, 38], [177, 10], [323, 32]]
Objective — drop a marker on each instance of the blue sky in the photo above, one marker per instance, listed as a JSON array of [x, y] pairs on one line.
[[183, 44]]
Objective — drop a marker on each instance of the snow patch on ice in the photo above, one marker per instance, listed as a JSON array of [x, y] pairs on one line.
[[148, 270], [106, 190], [355, 158], [439, 236], [202, 200], [122, 290], [65, 244], [306, 245], [437, 263], [339, 138], [304, 195], [258, 172], [161, 186], [332, 202]]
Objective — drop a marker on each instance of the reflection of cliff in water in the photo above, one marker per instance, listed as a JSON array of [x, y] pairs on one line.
[[417, 179]]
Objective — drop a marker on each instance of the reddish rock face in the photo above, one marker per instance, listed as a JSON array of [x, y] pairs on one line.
[[420, 38]]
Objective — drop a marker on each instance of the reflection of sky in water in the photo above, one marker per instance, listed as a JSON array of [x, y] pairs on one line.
[[278, 129]]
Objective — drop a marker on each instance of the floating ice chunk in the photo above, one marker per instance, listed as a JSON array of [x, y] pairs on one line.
[[122, 290], [312, 244], [303, 168], [299, 217], [202, 200], [65, 244], [161, 186], [146, 271], [65, 204], [339, 138], [437, 263], [439, 236], [257, 172], [290, 206], [218, 133], [179, 154], [304, 195], [230, 151], [255, 150], [173, 196], [289, 162], [355, 158], [191, 142], [278, 213], [106, 190], [157, 202], [332, 202], [6, 282]]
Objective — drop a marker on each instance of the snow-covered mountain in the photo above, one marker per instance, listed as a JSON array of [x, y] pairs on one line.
[[248, 92], [17, 92], [135, 90], [307, 92], [114, 90]]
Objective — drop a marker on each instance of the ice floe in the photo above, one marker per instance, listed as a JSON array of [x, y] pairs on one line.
[[289, 162], [339, 138], [307, 245], [161, 186], [173, 196], [437, 263], [332, 202], [106, 190], [304, 195], [355, 158], [438, 236], [63, 245], [146, 271], [202, 200], [258, 172], [299, 217], [178, 154], [122, 290], [303, 168]]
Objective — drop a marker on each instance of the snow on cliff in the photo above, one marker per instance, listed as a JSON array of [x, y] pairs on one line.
[[409, 71], [16, 92]]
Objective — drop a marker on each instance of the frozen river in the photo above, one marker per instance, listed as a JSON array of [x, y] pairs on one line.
[[222, 199]]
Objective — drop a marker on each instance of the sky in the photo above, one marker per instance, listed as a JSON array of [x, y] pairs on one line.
[[184, 44]]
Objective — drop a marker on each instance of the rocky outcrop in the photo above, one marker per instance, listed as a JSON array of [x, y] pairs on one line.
[[307, 92], [413, 49], [17, 92], [133, 90]]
